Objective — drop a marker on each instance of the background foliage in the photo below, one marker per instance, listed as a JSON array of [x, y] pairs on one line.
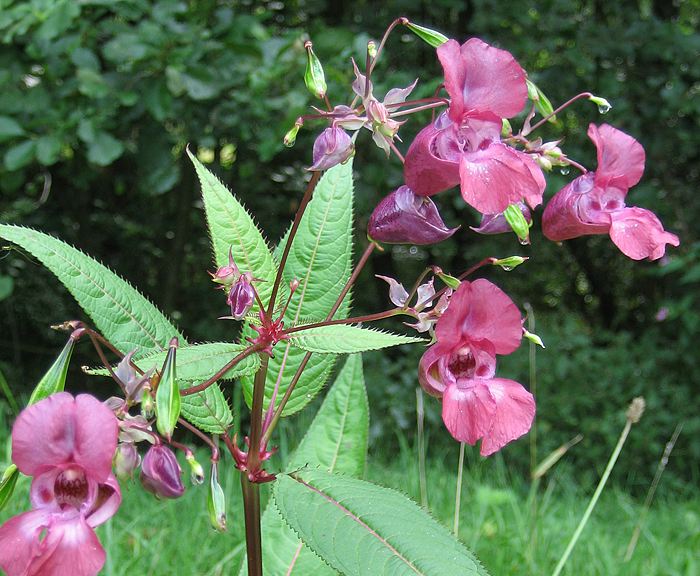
[[98, 101]]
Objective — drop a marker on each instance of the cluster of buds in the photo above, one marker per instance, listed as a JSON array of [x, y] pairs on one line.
[[240, 293]]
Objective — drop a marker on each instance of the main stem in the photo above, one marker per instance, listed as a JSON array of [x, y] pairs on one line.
[[251, 490], [458, 491]]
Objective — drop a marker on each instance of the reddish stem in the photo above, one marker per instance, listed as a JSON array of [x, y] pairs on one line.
[[235, 360], [562, 107]]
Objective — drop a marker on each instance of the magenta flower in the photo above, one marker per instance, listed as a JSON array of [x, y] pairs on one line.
[[404, 218], [241, 297], [463, 146], [160, 473], [594, 203], [480, 322], [67, 445]]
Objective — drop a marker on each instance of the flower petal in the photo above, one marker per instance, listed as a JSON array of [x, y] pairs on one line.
[[397, 293], [481, 77], [424, 172], [61, 430], [468, 408], [109, 497], [620, 157], [70, 548], [478, 311], [515, 411], [429, 374], [640, 234], [19, 541], [496, 176], [568, 216]]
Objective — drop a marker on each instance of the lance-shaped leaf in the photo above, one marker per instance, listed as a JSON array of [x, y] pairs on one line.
[[232, 228], [336, 441], [361, 528], [119, 311], [8, 481], [198, 362], [168, 402], [320, 259], [344, 339], [55, 378]]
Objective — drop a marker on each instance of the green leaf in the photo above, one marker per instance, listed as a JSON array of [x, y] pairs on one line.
[[9, 128], [19, 155], [207, 410], [320, 259], [198, 362], [119, 311], [48, 149], [232, 228], [336, 441], [343, 339], [361, 528], [104, 149]]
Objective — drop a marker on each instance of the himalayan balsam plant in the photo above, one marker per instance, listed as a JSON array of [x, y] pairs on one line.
[[293, 302]]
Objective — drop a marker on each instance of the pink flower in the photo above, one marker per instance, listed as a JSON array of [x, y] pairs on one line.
[[67, 445], [160, 473], [332, 146], [463, 146], [595, 202], [480, 322]]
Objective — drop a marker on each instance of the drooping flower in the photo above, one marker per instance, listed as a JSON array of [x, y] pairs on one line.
[[594, 203], [463, 146], [241, 297], [333, 146], [404, 218], [161, 473], [480, 322], [67, 445]]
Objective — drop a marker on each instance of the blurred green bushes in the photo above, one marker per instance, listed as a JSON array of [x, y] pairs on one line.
[[98, 101]]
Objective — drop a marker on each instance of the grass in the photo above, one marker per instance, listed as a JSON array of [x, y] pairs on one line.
[[150, 537]]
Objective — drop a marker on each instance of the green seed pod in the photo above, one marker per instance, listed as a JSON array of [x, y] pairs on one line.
[[168, 395]]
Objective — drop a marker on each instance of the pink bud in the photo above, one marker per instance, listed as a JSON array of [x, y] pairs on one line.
[[227, 275], [241, 297], [404, 218], [160, 473], [333, 146]]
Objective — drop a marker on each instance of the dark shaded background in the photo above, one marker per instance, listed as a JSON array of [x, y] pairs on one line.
[[98, 100]]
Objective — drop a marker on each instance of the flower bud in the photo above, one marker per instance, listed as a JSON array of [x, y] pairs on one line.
[[126, 460], [227, 275], [429, 36], [168, 400], [148, 406], [216, 500], [333, 146], [241, 297], [291, 137], [196, 470], [404, 218], [314, 78], [160, 473], [517, 220]]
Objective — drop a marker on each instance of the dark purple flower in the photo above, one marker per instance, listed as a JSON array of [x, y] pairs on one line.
[[404, 218], [332, 146], [160, 473]]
